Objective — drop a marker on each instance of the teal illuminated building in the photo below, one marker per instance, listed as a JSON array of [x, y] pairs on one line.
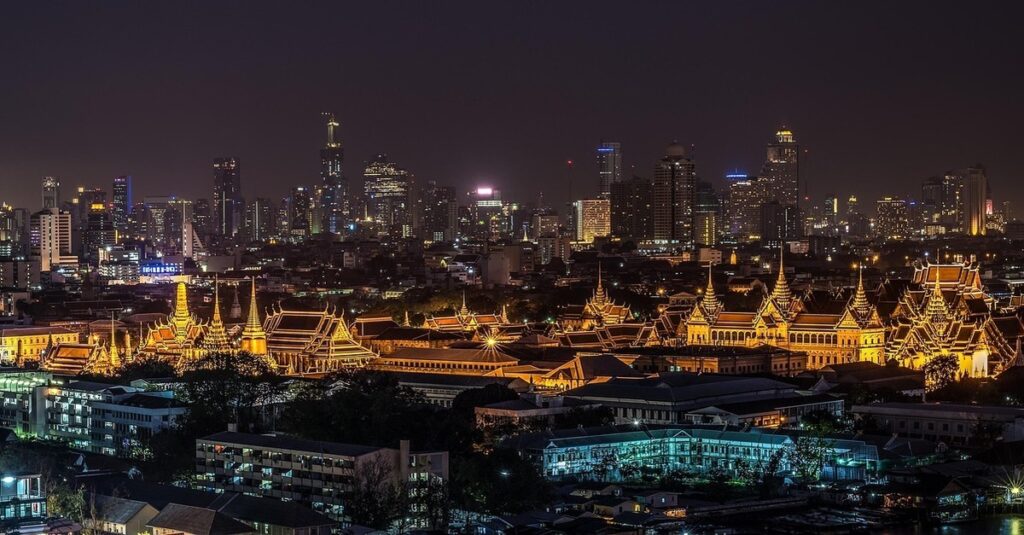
[[621, 453]]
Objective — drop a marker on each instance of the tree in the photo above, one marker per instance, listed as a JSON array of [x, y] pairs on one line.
[[825, 423], [940, 371], [808, 456], [145, 367], [586, 417], [497, 483], [376, 499], [66, 501]]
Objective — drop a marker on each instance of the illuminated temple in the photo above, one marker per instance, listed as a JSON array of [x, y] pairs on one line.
[[177, 337], [466, 320], [598, 311], [304, 342], [782, 321], [945, 311]]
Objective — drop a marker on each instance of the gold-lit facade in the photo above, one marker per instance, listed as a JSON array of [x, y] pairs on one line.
[[782, 321]]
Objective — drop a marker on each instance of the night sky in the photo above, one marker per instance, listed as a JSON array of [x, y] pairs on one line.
[[882, 94]]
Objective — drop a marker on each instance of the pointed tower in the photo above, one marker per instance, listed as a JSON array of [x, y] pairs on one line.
[[781, 294], [937, 311], [236, 307], [254, 340], [504, 313], [181, 315], [216, 338], [600, 298], [710, 302], [405, 321], [464, 311], [860, 304], [115, 359]]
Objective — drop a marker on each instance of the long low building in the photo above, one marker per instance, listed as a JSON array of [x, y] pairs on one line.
[[669, 397], [715, 359], [953, 423], [318, 474], [620, 453], [441, 388]]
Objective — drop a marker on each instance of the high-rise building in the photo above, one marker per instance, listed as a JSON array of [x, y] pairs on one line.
[[782, 168], [50, 239], [544, 222], [260, 219], [487, 216], [631, 209], [121, 207], [201, 216], [99, 232], [707, 214], [593, 219], [780, 223], [746, 195], [227, 197], [951, 213], [334, 196], [892, 221], [609, 167], [299, 212], [51, 192], [975, 200], [674, 187], [440, 212], [387, 189]]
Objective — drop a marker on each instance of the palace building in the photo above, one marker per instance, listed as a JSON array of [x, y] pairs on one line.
[[304, 342], [599, 311], [782, 321], [177, 337], [466, 320], [945, 311]]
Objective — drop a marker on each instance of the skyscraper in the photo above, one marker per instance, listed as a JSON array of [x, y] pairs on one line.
[[259, 219], [746, 195], [974, 200], [892, 222], [674, 186], [334, 197], [593, 219], [51, 192], [440, 212], [707, 214], [98, 233], [227, 197], [299, 212], [50, 239], [779, 223], [387, 195], [782, 168], [122, 205], [631, 209], [609, 167]]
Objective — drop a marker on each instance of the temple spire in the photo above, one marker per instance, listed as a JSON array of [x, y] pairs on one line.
[[181, 303], [216, 338], [860, 303], [781, 292], [115, 359], [254, 339], [710, 301], [406, 323], [464, 311]]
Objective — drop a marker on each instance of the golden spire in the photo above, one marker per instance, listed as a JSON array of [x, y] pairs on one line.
[[860, 303], [216, 338], [710, 301], [115, 359], [600, 298], [504, 313], [406, 323], [254, 339], [464, 311], [781, 293], [181, 303]]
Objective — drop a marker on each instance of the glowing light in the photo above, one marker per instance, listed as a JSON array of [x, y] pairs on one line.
[[8, 479], [484, 191], [491, 341]]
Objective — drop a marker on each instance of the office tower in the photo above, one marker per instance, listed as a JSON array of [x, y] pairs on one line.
[[951, 213], [782, 168], [387, 189], [485, 214], [631, 209], [440, 212], [121, 207], [975, 195], [609, 167], [83, 201], [202, 216], [50, 239], [674, 185], [931, 200], [852, 206], [333, 197], [745, 196], [178, 225], [544, 222], [227, 197], [51, 192], [299, 212], [831, 210], [593, 219], [779, 223], [260, 219], [892, 221], [99, 232], [707, 214]]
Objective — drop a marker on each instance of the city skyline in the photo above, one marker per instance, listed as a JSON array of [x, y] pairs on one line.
[[877, 133]]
